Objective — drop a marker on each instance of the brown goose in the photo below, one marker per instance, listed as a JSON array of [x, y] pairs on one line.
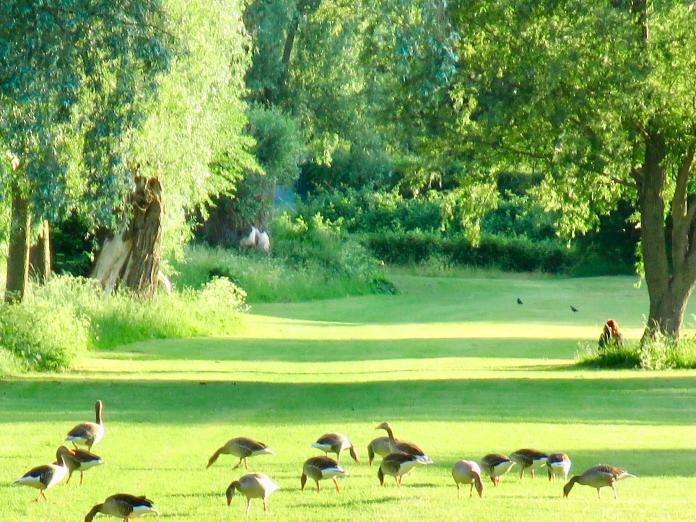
[[336, 443], [397, 465], [495, 466], [601, 476], [253, 485], [385, 445], [79, 460], [558, 464], [468, 472], [319, 468], [528, 458], [242, 448], [123, 506], [88, 433], [46, 476]]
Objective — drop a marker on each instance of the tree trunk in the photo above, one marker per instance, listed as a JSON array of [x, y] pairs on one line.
[[40, 255], [131, 258], [669, 284], [19, 245]]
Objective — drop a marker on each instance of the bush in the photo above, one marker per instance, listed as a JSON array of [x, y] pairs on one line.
[[506, 253]]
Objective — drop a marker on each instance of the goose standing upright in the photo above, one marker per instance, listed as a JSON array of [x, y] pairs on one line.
[[46, 476], [320, 468], [558, 464], [385, 445], [79, 460], [253, 485], [598, 477], [336, 443], [242, 448], [397, 465], [88, 433], [468, 472], [495, 466], [528, 458], [123, 505]]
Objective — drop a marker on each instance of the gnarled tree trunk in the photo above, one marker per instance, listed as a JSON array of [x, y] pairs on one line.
[[19, 246], [131, 257]]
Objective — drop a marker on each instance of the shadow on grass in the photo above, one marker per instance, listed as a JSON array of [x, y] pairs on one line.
[[607, 400]]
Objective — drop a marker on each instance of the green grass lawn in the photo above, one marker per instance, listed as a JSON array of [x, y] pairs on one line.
[[453, 363]]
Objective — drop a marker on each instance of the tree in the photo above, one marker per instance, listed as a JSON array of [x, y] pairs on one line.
[[599, 96], [72, 77]]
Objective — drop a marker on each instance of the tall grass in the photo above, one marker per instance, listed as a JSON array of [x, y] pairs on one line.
[[660, 353], [70, 315]]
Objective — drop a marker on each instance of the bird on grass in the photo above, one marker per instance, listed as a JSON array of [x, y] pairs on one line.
[[601, 476], [468, 472], [123, 505], [46, 476], [80, 460], [253, 485], [385, 445], [528, 458], [242, 448], [558, 464], [519, 301], [88, 433], [397, 465], [336, 443], [320, 468], [573, 308], [495, 466]]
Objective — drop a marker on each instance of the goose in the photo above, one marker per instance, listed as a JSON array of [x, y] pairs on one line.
[[79, 460], [336, 443], [88, 433], [396, 465], [495, 466], [242, 448], [468, 472], [528, 458], [558, 464], [385, 445], [46, 476], [599, 476], [319, 468], [123, 505], [253, 485]]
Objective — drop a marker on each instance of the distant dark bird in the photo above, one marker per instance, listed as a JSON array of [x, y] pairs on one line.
[[519, 301], [573, 308]]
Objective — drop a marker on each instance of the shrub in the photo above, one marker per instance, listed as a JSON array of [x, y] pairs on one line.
[[661, 353]]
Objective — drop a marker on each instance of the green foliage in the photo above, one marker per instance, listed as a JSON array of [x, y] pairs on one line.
[[505, 253], [660, 353]]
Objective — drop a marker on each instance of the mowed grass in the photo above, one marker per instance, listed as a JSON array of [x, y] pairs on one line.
[[453, 363]]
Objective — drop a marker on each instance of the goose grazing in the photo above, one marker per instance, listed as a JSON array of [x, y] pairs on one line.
[[601, 476], [320, 468], [336, 443], [46, 476], [88, 433], [528, 458], [468, 472], [253, 485], [242, 448], [558, 464], [79, 460], [397, 465], [385, 445], [495, 466], [123, 506]]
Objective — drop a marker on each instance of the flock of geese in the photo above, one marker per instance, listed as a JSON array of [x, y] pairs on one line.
[[398, 458]]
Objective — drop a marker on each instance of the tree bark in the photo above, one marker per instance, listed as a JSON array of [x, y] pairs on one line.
[[40, 255], [131, 258], [19, 246]]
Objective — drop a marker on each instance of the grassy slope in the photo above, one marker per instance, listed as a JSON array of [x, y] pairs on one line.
[[455, 364]]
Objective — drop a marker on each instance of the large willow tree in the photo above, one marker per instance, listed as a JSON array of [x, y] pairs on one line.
[[600, 96]]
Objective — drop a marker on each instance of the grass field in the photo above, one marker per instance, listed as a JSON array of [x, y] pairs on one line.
[[454, 363]]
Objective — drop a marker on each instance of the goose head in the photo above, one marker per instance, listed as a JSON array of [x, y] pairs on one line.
[[234, 485]]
